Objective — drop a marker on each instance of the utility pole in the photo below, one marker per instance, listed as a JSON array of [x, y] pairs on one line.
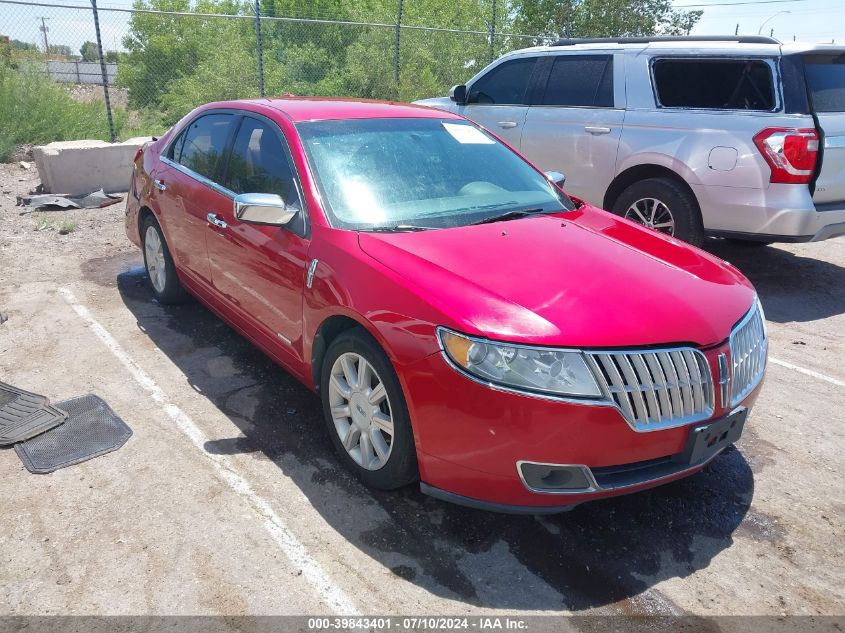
[[736, 30], [43, 28], [771, 33]]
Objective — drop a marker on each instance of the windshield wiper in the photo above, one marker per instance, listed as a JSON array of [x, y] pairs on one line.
[[398, 228], [508, 215]]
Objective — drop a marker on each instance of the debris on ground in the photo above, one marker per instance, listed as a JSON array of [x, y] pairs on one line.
[[95, 200], [3, 317], [25, 165]]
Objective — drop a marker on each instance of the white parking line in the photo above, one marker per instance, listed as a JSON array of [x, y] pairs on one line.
[[807, 372], [327, 591]]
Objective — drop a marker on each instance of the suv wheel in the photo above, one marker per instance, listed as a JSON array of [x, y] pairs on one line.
[[663, 205], [365, 411]]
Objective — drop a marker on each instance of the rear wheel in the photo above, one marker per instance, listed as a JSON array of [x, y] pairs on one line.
[[159, 264], [663, 205], [365, 412]]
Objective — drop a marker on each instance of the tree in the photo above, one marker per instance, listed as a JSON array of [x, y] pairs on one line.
[[602, 18], [60, 50], [89, 52]]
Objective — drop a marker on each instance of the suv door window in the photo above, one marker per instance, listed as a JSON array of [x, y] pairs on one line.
[[507, 83], [204, 144], [580, 80], [715, 84], [260, 163]]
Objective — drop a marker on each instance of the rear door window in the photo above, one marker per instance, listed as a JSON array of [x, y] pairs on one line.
[[507, 83], [205, 143], [826, 81], [580, 80], [714, 84]]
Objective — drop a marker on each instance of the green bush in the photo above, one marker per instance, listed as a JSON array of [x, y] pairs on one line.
[[36, 110]]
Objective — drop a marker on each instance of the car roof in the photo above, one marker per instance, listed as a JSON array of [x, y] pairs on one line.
[[689, 46], [324, 108]]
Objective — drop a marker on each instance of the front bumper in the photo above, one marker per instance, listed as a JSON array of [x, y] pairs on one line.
[[780, 212], [470, 440]]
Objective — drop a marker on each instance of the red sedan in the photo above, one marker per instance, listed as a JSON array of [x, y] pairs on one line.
[[465, 323]]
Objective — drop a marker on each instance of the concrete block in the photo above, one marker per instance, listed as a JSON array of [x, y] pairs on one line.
[[80, 167]]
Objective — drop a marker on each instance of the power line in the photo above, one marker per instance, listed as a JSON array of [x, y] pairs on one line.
[[733, 4]]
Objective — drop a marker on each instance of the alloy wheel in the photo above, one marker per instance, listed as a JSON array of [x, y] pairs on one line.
[[652, 213], [361, 412], [154, 257]]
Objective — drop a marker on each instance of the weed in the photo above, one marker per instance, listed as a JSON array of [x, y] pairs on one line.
[[68, 226]]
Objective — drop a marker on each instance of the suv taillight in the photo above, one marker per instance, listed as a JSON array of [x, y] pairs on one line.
[[791, 153]]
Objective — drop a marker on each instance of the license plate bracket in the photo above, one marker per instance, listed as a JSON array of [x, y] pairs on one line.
[[707, 440]]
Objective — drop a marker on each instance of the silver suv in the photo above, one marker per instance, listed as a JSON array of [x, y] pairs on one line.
[[742, 137]]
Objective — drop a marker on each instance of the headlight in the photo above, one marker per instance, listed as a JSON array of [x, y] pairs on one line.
[[538, 369]]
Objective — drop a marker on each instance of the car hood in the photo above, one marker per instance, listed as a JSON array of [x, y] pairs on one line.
[[582, 279]]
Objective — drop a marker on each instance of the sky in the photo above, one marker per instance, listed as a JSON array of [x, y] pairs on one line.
[[805, 20]]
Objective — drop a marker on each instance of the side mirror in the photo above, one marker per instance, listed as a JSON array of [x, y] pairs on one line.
[[556, 177], [458, 94], [263, 208]]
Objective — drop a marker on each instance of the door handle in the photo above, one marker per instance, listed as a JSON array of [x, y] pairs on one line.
[[159, 184], [597, 130], [213, 219], [507, 125]]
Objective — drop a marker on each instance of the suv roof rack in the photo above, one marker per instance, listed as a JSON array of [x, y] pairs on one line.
[[741, 39]]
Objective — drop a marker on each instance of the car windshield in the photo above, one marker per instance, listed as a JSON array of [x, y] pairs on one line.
[[404, 174]]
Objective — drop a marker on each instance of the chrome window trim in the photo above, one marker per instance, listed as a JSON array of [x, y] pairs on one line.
[[605, 401], [588, 474], [198, 177]]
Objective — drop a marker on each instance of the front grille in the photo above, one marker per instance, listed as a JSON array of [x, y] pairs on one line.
[[656, 389], [748, 354]]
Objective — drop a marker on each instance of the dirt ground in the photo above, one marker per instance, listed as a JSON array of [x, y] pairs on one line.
[[228, 500]]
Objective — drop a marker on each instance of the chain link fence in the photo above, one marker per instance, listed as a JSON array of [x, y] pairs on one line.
[[157, 65]]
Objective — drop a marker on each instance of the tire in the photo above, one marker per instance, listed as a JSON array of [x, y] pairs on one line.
[[399, 468], [680, 205], [160, 269]]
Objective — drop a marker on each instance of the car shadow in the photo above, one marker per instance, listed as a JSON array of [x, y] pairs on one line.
[[599, 554], [791, 287]]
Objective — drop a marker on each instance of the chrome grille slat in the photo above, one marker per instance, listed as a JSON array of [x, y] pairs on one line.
[[656, 389], [634, 383], [649, 390], [662, 390], [748, 346]]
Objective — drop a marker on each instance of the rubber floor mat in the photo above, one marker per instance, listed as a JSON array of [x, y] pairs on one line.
[[24, 415], [91, 429]]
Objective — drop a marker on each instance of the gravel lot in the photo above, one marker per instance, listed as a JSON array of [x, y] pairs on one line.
[[228, 500]]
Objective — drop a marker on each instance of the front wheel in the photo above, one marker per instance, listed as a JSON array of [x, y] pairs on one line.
[[663, 205], [365, 412]]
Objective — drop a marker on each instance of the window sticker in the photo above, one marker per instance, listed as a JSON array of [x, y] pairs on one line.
[[467, 134]]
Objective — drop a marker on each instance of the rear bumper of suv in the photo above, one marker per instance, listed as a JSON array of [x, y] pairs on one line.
[[778, 213]]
